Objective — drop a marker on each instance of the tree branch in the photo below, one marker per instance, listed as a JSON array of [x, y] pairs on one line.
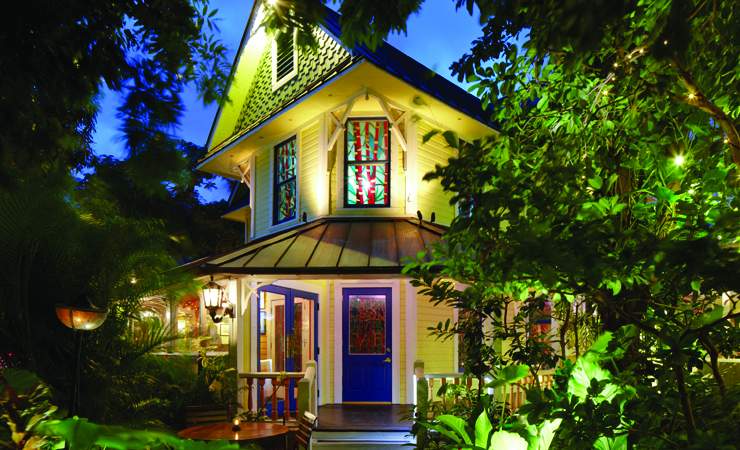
[[697, 99]]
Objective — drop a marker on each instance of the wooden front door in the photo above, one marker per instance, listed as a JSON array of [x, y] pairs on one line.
[[366, 345]]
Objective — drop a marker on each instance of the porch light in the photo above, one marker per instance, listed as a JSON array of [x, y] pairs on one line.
[[214, 298]]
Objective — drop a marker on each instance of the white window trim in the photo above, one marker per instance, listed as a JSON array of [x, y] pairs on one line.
[[277, 84], [393, 208]]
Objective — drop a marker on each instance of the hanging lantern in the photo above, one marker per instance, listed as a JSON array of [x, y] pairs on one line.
[[214, 298]]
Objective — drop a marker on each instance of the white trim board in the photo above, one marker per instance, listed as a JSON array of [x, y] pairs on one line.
[[395, 286]]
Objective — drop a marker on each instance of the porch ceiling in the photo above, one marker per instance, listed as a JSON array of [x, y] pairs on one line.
[[332, 246]]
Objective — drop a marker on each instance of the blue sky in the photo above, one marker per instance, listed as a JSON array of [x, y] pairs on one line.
[[436, 37]]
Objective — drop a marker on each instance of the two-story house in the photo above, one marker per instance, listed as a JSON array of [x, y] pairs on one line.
[[328, 148]]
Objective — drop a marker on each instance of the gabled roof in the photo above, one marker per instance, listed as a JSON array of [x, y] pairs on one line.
[[332, 246], [399, 64], [330, 62]]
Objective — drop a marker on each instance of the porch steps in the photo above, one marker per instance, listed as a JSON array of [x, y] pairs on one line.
[[385, 440], [363, 427]]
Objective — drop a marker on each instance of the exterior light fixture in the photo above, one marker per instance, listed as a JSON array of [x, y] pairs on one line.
[[235, 424], [214, 298], [82, 316]]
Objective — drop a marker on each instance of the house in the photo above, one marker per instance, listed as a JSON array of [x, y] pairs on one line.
[[328, 149]]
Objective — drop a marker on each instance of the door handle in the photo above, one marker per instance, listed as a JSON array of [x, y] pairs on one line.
[[387, 359]]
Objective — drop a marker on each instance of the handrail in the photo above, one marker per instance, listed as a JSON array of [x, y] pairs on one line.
[[281, 375], [515, 395], [290, 382]]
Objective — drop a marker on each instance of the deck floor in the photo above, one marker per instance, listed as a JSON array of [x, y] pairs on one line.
[[348, 417]]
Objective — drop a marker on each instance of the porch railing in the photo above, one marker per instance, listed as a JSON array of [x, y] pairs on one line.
[[297, 388], [428, 384]]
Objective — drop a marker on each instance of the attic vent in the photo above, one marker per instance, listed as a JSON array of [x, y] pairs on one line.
[[283, 59]]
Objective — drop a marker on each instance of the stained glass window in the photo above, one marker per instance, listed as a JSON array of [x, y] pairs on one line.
[[284, 194], [367, 163], [367, 324]]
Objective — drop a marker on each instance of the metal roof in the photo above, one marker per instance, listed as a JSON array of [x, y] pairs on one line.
[[333, 246]]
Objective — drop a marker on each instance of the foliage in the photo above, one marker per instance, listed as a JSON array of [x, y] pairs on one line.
[[78, 227], [35, 423], [611, 184]]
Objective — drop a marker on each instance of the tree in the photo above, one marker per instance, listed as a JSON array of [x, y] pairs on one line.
[[73, 224], [612, 182]]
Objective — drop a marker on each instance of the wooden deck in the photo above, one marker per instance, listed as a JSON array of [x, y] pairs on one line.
[[349, 417]]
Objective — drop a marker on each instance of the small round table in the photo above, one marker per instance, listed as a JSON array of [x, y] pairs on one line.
[[249, 431]]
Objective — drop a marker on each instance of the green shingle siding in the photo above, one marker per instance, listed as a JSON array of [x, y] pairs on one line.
[[313, 66]]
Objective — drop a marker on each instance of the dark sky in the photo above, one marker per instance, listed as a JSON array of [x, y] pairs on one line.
[[436, 37]]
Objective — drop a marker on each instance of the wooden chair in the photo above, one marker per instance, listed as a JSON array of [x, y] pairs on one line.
[[305, 427]]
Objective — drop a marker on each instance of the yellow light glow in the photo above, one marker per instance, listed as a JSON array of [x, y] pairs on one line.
[[691, 96], [678, 160], [133, 280]]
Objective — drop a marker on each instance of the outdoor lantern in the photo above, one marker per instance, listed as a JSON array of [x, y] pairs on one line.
[[214, 297], [81, 318]]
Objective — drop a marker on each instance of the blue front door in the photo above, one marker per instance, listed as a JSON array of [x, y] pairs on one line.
[[366, 345]]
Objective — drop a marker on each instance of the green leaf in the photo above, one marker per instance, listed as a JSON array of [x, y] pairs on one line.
[[429, 135], [611, 443], [457, 425], [696, 285], [506, 440], [483, 429], [509, 375], [452, 139], [596, 182]]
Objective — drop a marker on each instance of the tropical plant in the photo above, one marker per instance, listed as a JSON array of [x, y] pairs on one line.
[[611, 184], [32, 421]]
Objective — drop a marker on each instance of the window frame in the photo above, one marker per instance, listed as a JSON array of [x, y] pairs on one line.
[[387, 161], [277, 84], [276, 183]]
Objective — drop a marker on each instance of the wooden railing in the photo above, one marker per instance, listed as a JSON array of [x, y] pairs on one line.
[[514, 396], [254, 382], [297, 388]]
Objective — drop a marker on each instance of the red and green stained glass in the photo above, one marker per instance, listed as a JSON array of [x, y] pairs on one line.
[[285, 181], [367, 166], [367, 324]]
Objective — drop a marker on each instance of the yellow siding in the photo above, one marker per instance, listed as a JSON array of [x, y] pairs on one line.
[[431, 197], [438, 356], [262, 190], [308, 166]]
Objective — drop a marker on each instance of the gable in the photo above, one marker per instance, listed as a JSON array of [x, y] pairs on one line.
[[313, 67]]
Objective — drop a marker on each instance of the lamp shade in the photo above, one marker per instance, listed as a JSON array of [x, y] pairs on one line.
[[212, 294], [78, 318]]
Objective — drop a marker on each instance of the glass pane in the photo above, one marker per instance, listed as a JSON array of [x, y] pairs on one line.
[[286, 160], [301, 342], [286, 201], [272, 329], [367, 140], [367, 184], [367, 324]]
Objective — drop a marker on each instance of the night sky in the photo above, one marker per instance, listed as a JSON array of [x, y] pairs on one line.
[[436, 37]]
